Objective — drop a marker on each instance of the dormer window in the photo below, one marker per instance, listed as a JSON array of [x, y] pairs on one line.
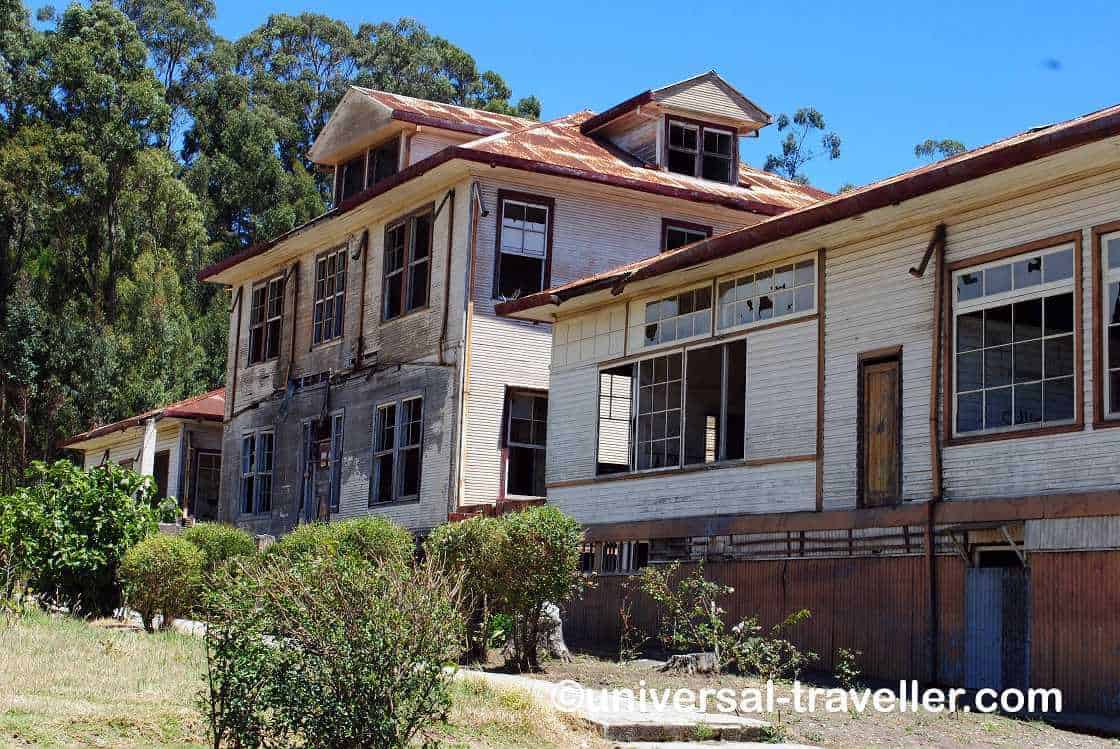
[[366, 169], [701, 150]]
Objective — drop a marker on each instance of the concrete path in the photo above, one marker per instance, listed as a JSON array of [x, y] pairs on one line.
[[626, 720]]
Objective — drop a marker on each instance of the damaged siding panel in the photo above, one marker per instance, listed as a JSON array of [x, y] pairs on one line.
[[782, 391], [780, 487], [573, 424], [504, 354]]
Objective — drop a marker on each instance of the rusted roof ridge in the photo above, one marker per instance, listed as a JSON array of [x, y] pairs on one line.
[[1001, 155]]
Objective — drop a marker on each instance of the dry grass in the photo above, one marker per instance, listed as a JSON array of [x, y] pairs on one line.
[[67, 683], [842, 730]]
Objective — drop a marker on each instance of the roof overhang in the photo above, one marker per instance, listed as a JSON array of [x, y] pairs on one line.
[[922, 196], [111, 434]]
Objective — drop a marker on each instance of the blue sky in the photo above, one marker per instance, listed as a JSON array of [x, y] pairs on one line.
[[886, 75]]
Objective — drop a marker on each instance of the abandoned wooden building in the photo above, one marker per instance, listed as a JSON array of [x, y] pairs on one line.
[[894, 407], [179, 445], [367, 371]]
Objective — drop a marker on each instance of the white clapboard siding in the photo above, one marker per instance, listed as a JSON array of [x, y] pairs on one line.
[[423, 145], [573, 407], [780, 487], [782, 392], [127, 447], [504, 354], [705, 97]]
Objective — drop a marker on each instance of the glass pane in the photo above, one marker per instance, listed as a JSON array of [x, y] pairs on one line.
[[997, 326], [1112, 314], [716, 168], [969, 286], [410, 473], [762, 282], [1028, 320], [970, 331], [1059, 356], [804, 298], [1028, 272], [765, 308], [1114, 347], [1114, 253], [783, 278], [744, 312], [418, 286], [421, 236], [997, 366], [727, 293], [1028, 361], [997, 408], [1059, 400], [1058, 266], [1059, 314], [681, 162], [970, 412], [783, 303], [805, 273], [746, 287], [384, 488], [969, 371], [997, 280], [1028, 403]]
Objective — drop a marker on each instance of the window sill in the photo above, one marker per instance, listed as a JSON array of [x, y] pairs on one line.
[[394, 503], [263, 362], [406, 315], [326, 344], [977, 439], [1109, 422], [698, 468]]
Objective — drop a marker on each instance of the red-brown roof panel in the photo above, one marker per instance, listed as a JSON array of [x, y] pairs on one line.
[[448, 116], [209, 406]]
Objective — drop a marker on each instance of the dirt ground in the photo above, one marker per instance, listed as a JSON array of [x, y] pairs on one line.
[[834, 729]]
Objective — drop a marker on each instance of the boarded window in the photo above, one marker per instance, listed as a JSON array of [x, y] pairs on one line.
[[330, 296], [265, 315], [523, 239], [406, 269], [1014, 344], [526, 432], [397, 451]]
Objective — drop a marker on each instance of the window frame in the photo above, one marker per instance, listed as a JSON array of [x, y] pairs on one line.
[[668, 224], [264, 325], [1049, 245], [537, 201], [334, 459], [701, 126], [368, 168], [255, 472], [508, 442], [337, 298], [636, 322], [395, 451], [406, 273], [771, 268], [1103, 276]]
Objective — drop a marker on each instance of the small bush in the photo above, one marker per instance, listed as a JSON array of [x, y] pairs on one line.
[[64, 534], [355, 655], [219, 543], [467, 548], [161, 576], [168, 510], [369, 538], [847, 668]]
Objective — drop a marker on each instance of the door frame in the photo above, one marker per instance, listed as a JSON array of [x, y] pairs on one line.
[[866, 358], [192, 493]]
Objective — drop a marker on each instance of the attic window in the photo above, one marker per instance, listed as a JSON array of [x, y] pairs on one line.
[[366, 169], [701, 150]]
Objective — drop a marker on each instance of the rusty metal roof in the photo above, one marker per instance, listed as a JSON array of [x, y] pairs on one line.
[[1022, 148], [445, 116], [209, 406]]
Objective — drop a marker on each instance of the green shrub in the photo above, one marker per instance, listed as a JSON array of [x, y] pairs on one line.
[[219, 543], [355, 658], [168, 510], [535, 554], [64, 533], [370, 538], [467, 548], [161, 575]]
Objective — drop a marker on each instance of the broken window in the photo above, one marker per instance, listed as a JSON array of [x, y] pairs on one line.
[[337, 423], [715, 403], [366, 169], [406, 272], [623, 557], [350, 178], [256, 473], [678, 234], [330, 295], [701, 150], [265, 313], [1110, 247], [1014, 344], [678, 317], [761, 296], [526, 430], [523, 239], [397, 450], [383, 161]]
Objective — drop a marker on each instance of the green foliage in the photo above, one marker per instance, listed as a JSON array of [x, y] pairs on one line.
[[932, 149], [772, 655], [797, 151], [219, 544], [355, 653], [467, 548], [369, 538], [161, 576], [847, 668], [65, 533], [167, 511]]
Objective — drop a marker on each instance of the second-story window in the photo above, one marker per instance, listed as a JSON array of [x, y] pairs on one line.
[[265, 314], [330, 295], [366, 169], [676, 234], [350, 178], [702, 150], [383, 161], [524, 239], [408, 251]]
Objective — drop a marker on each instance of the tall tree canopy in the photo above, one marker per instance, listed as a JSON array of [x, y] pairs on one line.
[[932, 149], [136, 146]]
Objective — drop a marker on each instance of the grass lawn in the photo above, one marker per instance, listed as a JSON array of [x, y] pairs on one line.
[[65, 682], [840, 730]]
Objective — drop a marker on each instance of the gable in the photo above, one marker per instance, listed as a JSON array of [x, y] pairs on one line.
[[711, 96]]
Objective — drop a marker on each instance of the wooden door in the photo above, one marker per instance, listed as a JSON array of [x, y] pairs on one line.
[[997, 627], [880, 432]]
